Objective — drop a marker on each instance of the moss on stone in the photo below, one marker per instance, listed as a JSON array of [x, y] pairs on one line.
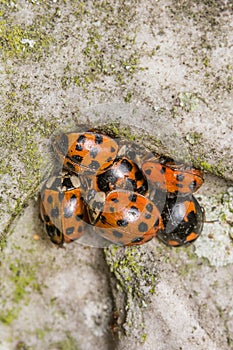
[[22, 279], [193, 137], [135, 271], [9, 315], [22, 42], [23, 276], [215, 169]]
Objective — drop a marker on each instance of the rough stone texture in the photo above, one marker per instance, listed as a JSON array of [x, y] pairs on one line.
[[172, 60]]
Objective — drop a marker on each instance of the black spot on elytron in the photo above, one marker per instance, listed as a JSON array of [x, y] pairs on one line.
[[143, 227], [80, 228], [163, 170], [115, 200], [78, 147], [50, 199], [46, 218], [61, 196], [76, 159], [111, 209], [138, 175], [149, 207], [93, 152], [81, 139], [122, 223], [147, 216], [117, 234], [98, 139], [70, 166], [137, 239], [148, 171], [179, 185], [133, 198], [56, 183], [70, 230], [179, 177], [108, 159], [94, 165], [54, 212], [112, 149], [125, 166], [103, 219], [79, 217], [193, 185]]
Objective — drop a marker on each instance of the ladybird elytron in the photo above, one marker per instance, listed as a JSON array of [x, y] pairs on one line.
[[84, 152], [183, 221], [62, 208], [125, 217], [173, 178], [122, 173]]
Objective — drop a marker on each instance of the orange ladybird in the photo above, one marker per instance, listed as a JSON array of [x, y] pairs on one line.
[[62, 208], [183, 219], [173, 178], [125, 217], [84, 152]]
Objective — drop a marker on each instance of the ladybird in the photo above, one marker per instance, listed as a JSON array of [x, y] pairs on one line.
[[121, 173], [62, 208], [84, 152], [124, 217], [173, 178], [183, 219]]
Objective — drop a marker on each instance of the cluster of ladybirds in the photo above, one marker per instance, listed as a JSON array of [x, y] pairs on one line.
[[125, 196]]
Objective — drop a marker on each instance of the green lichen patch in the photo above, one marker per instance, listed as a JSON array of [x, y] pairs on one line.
[[135, 271], [22, 281], [22, 42], [194, 137], [215, 169], [9, 315], [23, 277]]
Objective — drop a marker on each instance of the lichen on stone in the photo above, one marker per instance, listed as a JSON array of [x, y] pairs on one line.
[[136, 274]]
